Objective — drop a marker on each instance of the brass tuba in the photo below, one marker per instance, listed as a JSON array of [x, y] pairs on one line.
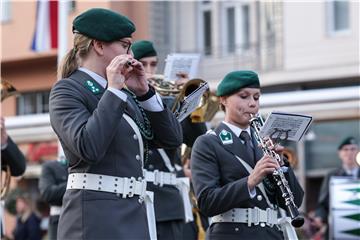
[[209, 104], [164, 88], [7, 90], [291, 157]]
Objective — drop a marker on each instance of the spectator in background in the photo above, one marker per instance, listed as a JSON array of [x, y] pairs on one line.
[[27, 222], [347, 151], [13, 163]]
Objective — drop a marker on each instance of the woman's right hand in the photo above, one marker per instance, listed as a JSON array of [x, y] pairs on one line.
[[117, 70], [266, 165]]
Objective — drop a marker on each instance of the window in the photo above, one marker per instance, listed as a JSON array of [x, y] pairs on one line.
[[231, 41], [72, 7], [5, 11], [207, 32], [235, 22], [338, 16], [245, 27], [33, 103]]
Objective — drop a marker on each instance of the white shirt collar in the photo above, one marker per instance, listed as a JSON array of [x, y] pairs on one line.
[[352, 172], [99, 79], [236, 129]]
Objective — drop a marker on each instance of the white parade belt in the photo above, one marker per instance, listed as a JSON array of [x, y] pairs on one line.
[[55, 210], [182, 184], [128, 187], [248, 215], [160, 178]]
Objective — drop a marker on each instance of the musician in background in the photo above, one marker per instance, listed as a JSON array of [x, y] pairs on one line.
[[13, 162], [347, 151], [52, 186], [169, 199], [228, 168], [10, 154]]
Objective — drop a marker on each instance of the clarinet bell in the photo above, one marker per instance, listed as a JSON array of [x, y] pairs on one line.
[[298, 221]]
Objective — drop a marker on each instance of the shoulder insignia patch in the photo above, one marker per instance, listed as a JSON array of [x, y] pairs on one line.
[[93, 86], [225, 137]]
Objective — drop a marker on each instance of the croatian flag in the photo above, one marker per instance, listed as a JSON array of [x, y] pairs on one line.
[[46, 29]]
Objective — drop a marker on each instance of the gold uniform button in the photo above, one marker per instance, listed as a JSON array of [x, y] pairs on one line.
[[259, 197], [137, 157], [262, 224], [135, 137]]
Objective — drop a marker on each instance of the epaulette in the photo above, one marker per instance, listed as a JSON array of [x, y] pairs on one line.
[[210, 131]]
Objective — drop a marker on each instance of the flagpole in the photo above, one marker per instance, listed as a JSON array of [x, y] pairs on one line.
[[63, 10]]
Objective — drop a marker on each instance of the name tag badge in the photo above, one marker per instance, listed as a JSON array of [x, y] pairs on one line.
[[225, 137]]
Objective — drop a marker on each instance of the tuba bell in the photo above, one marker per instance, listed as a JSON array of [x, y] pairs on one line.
[[209, 103], [291, 157], [7, 90], [163, 87]]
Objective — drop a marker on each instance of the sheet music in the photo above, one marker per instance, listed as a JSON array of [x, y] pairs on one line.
[[181, 63], [191, 102], [285, 126]]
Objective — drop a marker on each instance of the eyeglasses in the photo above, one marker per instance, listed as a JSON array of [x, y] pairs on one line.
[[127, 45]]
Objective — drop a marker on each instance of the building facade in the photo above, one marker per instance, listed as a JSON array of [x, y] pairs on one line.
[[307, 55]]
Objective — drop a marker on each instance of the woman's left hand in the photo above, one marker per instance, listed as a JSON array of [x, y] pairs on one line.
[[135, 79]]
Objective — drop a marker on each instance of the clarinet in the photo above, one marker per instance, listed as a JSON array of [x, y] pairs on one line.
[[278, 175]]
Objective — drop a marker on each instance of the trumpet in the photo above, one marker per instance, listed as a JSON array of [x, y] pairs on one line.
[[278, 175], [7, 90]]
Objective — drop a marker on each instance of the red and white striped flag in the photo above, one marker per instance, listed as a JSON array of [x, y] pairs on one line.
[[46, 29]]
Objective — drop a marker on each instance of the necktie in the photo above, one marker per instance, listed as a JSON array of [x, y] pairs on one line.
[[247, 143]]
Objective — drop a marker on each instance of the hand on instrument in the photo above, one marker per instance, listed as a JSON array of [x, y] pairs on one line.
[[186, 167], [4, 136], [116, 71], [266, 165], [182, 79], [136, 79]]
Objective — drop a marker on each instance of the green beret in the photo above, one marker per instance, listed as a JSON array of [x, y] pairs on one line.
[[103, 25], [143, 49], [347, 141], [236, 80]]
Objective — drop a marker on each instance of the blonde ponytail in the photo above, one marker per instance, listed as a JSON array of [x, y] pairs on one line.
[[70, 62]]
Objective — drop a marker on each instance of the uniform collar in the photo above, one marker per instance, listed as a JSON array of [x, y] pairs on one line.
[[99, 79], [236, 129]]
